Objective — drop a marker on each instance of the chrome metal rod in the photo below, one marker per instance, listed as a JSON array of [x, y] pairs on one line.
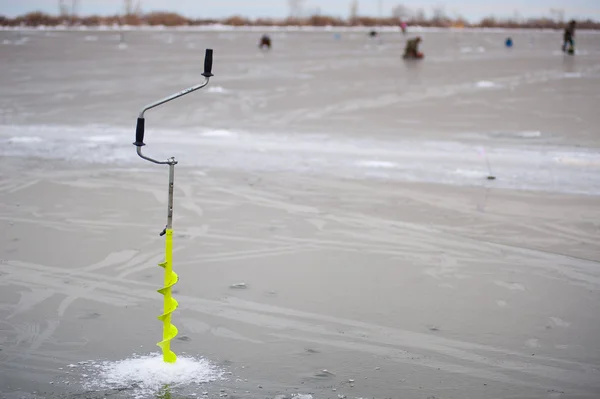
[[170, 204], [174, 96], [170, 161]]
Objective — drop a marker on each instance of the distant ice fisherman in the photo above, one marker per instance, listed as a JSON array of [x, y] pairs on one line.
[[403, 27], [265, 42], [411, 51], [569, 38]]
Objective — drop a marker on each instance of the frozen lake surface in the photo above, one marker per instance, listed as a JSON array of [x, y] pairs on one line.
[[336, 233], [316, 104]]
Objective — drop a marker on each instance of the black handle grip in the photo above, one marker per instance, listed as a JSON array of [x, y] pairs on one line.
[[139, 132], [208, 63]]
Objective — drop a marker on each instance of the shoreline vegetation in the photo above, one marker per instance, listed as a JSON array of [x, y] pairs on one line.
[[170, 19]]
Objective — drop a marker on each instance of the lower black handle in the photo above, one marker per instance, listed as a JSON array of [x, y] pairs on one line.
[[139, 132]]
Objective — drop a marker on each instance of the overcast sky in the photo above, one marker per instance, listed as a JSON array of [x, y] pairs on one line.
[[471, 9]]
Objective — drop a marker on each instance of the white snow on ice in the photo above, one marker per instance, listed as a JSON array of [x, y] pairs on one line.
[[217, 89], [148, 374], [486, 84], [378, 164], [25, 139]]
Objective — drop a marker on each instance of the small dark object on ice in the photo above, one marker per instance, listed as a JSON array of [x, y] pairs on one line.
[[491, 177], [265, 42]]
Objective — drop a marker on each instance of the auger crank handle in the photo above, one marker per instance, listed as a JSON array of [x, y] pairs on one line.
[[140, 126]]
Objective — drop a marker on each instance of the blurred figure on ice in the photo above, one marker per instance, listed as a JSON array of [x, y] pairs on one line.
[[411, 51], [265, 42], [569, 38], [403, 26]]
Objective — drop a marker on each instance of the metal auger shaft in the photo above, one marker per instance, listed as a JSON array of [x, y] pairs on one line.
[[170, 279]]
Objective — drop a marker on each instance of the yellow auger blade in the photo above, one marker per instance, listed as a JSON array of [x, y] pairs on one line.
[[169, 304]]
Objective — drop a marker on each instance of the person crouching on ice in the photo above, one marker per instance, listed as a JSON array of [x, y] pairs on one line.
[[411, 51], [265, 42]]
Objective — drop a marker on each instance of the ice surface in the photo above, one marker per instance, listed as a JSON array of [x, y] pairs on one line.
[[556, 168], [307, 107]]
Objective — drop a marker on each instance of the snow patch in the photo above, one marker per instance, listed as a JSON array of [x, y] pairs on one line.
[[378, 164], [218, 133], [25, 139], [217, 89], [147, 375], [486, 84]]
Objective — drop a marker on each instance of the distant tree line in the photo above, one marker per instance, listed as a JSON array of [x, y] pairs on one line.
[[299, 15]]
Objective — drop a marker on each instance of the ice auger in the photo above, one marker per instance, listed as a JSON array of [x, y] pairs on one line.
[[170, 277]]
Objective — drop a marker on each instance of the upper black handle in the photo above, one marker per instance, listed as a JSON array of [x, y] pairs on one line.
[[208, 63]]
